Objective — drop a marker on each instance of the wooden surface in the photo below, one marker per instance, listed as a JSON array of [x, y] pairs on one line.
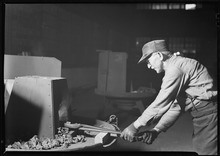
[[126, 95]]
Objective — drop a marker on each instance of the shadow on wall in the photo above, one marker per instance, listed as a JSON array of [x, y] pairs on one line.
[[81, 84], [80, 77], [85, 103]]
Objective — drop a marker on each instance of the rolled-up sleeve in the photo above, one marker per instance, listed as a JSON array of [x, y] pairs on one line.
[[171, 85], [169, 118]]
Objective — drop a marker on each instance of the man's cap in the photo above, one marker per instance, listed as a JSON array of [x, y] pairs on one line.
[[152, 47]]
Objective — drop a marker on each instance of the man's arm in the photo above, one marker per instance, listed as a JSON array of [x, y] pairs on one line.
[[170, 88], [172, 114], [169, 118]]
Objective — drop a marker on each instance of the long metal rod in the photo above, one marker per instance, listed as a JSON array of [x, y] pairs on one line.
[[89, 126], [100, 130], [94, 127]]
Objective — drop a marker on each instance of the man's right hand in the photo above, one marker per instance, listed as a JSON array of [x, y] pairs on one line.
[[129, 133]]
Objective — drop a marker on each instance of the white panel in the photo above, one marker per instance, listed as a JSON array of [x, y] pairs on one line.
[[112, 72], [116, 82], [15, 66]]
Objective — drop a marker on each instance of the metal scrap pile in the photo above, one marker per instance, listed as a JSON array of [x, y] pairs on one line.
[[62, 140]]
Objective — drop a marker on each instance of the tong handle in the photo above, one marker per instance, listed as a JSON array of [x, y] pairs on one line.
[[90, 128], [101, 130], [78, 125]]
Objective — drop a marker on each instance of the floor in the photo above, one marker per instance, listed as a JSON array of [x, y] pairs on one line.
[[177, 138]]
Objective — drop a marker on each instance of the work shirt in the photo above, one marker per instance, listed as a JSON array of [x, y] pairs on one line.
[[183, 77]]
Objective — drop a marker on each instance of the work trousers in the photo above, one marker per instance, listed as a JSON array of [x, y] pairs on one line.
[[205, 135]]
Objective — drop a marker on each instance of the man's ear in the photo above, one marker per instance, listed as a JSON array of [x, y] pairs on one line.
[[161, 56]]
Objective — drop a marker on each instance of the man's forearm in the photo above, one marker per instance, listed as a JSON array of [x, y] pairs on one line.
[[137, 124], [169, 118]]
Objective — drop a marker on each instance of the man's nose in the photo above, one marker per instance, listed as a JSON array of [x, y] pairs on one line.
[[149, 66]]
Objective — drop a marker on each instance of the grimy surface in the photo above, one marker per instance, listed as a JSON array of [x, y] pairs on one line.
[[89, 144]]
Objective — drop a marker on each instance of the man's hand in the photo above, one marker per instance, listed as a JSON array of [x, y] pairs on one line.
[[148, 136], [129, 133]]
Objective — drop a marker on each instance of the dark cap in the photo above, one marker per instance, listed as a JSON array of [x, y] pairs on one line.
[[152, 47]]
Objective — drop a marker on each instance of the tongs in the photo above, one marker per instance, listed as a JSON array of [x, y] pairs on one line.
[[90, 128]]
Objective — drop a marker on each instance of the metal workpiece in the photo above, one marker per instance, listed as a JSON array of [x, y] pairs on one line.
[[30, 110]]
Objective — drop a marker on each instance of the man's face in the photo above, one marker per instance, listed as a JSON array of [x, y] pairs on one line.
[[154, 62]]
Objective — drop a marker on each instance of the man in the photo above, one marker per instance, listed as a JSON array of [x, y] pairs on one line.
[[186, 86]]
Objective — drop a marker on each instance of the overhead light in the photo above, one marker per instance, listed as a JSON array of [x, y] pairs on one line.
[[190, 6]]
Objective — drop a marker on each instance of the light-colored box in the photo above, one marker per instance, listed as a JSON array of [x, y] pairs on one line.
[[112, 70], [16, 65], [33, 107]]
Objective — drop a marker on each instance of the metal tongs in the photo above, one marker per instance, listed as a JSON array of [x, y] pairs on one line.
[[90, 128]]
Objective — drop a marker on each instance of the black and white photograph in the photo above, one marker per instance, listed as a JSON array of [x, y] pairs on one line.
[[132, 76]]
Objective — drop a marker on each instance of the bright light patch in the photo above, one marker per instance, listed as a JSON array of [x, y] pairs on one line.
[[190, 6]]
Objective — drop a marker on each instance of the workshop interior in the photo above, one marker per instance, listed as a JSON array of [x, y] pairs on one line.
[[70, 69]]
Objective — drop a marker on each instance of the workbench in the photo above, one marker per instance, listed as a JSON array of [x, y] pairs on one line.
[[126, 101]]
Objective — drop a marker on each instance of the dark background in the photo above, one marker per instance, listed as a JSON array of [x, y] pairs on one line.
[[72, 32]]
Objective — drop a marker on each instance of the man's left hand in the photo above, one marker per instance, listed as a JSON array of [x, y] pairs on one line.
[[148, 136]]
